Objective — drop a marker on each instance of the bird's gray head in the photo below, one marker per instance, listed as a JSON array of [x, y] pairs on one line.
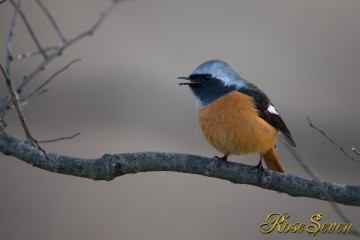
[[211, 80]]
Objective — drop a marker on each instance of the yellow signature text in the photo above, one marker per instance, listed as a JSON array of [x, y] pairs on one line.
[[280, 222]]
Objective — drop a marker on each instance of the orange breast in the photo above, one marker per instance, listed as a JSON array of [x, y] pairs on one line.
[[232, 126]]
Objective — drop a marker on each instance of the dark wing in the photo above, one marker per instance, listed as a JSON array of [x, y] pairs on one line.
[[270, 115]]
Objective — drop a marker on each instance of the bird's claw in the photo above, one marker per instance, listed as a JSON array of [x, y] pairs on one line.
[[223, 160]]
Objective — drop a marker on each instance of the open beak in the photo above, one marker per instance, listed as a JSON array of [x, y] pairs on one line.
[[190, 82]]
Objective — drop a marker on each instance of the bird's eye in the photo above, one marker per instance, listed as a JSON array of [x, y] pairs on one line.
[[208, 77]]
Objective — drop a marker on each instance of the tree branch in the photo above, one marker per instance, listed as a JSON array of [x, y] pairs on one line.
[[315, 175], [49, 57], [110, 166], [40, 89], [355, 151], [9, 37], [60, 138], [332, 141], [20, 56], [30, 30], [15, 98], [52, 20]]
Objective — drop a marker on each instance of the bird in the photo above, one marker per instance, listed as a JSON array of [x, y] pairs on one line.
[[235, 116]]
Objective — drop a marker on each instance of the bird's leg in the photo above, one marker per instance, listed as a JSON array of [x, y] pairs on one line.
[[223, 159], [260, 169]]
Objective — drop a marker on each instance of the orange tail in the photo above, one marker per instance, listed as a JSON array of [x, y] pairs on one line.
[[272, 161]]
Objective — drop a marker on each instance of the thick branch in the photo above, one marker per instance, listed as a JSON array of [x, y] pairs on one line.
[[110, 166]]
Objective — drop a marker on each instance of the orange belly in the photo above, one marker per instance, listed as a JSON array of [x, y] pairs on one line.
[[232, 126]]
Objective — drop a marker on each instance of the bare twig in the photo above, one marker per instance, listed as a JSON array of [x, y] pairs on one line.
[[32, 54], [61, 47], [60, 138], [96, 24], [14, 91], [15, 99], [9, 37], [8, 59], [66, 44], [30, 30], [24, 101], [39, 90], [355, 151], [2, 1], [331, 141], [314, 175], [52, 20], [6, 72]]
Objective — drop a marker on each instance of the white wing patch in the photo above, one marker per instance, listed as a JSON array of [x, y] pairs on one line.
[[271, 109]]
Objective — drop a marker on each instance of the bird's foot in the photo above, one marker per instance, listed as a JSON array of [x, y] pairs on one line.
[[223, 160], [260, 170]]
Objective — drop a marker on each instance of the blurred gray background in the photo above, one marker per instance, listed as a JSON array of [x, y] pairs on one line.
[[123, 96]]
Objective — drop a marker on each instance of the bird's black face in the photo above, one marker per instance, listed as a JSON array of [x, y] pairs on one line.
[[206, 87]]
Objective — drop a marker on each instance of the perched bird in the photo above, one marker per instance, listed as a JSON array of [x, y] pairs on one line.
[[235, 116]]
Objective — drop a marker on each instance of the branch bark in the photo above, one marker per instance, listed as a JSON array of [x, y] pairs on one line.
[[110, 166]]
